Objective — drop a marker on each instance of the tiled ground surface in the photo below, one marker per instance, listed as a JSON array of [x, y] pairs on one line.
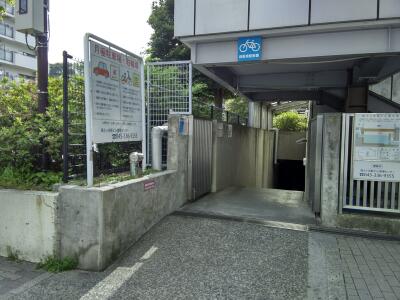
[[371, 268]]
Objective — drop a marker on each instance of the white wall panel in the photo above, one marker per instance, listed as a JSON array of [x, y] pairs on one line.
[[389, 9], [278, 13], [215, 16], [324, 11], [184, 17]]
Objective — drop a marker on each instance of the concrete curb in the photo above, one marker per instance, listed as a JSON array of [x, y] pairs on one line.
[[266, 223], [292, 226], [355, 233]]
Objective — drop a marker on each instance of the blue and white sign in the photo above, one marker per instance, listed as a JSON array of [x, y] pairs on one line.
[[250, 48]]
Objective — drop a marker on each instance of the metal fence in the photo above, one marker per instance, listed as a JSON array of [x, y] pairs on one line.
[[204, 110], [169, 91], [110, 158], [378, 196]]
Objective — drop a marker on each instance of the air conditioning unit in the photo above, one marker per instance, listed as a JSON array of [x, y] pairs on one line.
[[29, 16]]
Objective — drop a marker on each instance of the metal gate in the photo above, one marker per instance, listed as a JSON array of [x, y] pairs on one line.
[[200, 158], [364, 195], [169, 91]]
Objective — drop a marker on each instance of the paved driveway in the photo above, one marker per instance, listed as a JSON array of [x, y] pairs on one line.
[[195, 258], [199, 258]]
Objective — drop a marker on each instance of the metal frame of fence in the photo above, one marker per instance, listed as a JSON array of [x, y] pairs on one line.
[[209, 111], [74, 132], [169, 91], [365, 195], [110, 158]]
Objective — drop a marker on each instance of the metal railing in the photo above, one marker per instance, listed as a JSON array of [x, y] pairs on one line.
[[209, 111], [364, 195]]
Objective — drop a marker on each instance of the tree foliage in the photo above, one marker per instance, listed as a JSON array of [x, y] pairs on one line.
[[163, 45], [291, 121], [237, 106]]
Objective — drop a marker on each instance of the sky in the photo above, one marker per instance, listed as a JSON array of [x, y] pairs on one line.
[[122, 22]]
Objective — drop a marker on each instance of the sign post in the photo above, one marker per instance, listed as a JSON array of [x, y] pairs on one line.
[[114, 97], [376, 147]]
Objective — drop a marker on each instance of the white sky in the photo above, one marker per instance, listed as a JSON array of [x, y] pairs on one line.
[[122, 22]]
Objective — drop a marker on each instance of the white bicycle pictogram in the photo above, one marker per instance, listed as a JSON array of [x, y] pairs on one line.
[[250, 44]]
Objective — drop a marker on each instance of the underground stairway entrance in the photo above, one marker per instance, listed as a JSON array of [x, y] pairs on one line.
[[272, 206]]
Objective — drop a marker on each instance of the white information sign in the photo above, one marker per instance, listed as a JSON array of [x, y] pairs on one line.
[[116, 95], [376, 147]]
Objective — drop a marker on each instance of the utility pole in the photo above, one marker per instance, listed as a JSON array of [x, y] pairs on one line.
[[43, 63], [43, 75]]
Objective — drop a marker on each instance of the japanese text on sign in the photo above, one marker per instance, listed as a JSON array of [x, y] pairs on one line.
[[116, 95], [376, 154]]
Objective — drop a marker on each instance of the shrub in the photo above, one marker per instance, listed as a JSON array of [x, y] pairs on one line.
[[291, 121], [22, 131]]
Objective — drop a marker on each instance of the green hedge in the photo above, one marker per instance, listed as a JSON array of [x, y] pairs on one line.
[[22, 129], [291, 121]]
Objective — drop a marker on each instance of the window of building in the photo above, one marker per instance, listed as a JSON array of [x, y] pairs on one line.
[[6, 30], [6, 55]]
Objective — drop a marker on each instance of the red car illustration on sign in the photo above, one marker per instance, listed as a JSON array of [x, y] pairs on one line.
[[101, 70]]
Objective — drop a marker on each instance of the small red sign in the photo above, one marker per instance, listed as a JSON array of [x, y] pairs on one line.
[[149, 185]]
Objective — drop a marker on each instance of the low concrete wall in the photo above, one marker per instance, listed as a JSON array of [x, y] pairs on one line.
[[98, 224], [288, 149], [245, 159], [27, 224]]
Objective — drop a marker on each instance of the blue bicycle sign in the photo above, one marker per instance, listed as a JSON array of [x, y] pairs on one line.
[[249, 48]]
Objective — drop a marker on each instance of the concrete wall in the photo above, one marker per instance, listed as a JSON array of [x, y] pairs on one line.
[[245, 159], [101, 223], [27, 224], [204, 16], [98, 224], [330, 171], [288, 149]]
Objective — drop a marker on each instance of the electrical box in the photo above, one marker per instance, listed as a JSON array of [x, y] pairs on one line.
[[29, 16]]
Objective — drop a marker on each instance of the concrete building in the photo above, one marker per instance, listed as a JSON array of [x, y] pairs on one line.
[[17, 54], [342, 55]]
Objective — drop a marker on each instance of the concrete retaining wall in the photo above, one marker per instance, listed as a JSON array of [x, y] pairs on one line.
[[100, 223], [288, 149], [245, 159], [27, 224]]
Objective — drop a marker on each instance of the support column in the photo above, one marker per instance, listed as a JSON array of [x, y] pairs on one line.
[[357, 99]]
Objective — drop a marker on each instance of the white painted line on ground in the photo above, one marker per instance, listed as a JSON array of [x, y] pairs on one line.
[[109, 285], [149, 253]]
